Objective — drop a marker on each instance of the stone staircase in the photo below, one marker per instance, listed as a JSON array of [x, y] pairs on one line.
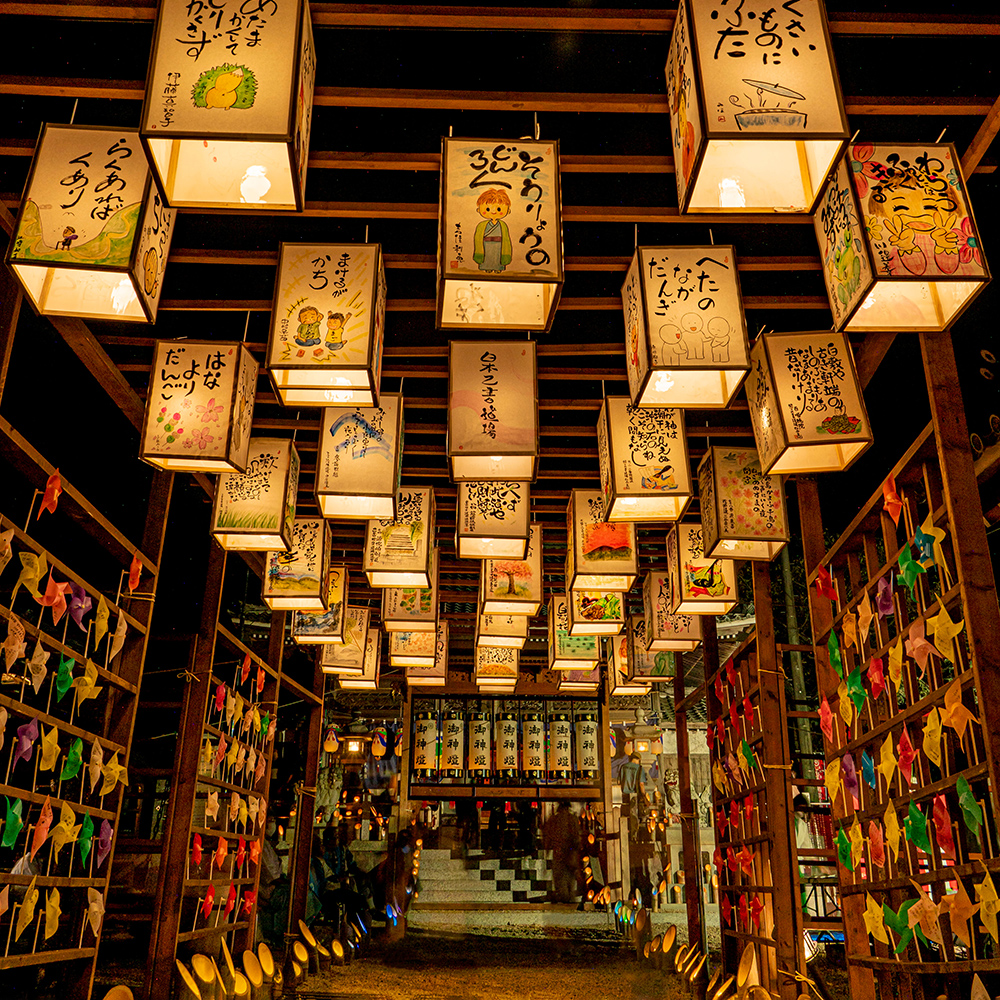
[[449, 880]]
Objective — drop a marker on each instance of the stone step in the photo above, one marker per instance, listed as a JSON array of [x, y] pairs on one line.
[[464, 896]]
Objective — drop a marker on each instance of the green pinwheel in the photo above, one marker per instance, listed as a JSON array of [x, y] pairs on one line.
[[972, 812], [85, 836], [74, 761], [833, 647], [856, 689], [899, 924], [915, 827], [844, 850], [13, 822], [909, 568], [64, 679]]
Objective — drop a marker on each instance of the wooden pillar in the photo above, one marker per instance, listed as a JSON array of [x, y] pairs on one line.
[[10, 311], [612, 871]]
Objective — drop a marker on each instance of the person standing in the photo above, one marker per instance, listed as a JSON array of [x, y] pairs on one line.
[[562, 837]]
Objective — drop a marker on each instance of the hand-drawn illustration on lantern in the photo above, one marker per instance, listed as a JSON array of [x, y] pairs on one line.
[[399, 552], [599, 555], [348, 657], [492, 520], [513, 586], [662, 629], [330, 625], [412, 609], [297, 580], [568, 652], [698, 585]]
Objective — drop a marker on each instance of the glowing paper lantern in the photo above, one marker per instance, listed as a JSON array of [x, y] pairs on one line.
[[513, 586], [359, 461], [452, 744], [412, 609], [586, 729], [329, 626], [348, 657], [92, 233], [368, 680], [806, 404], [662, 629], [500, 238], [502, 630], [480, 745], [412, 648], [560, 743], [698, 585], [496, 666], [399, 552], [328, 325], [533, 744], [742, 511], [229, 104], [492, 410], [506, 745], [256, 509], [298, 579], [426, 745], [580, 681], [644, 666], [900, 247], [595, 613], [199, 408], [618, 675], [568, 652], [599, 555], [756, 115], [436, 675], [492, 520]]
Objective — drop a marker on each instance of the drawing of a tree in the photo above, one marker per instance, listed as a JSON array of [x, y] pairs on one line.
[[515, 570]]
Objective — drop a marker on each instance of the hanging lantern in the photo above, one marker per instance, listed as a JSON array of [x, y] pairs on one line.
[[229, 105], [698, 585], [599, 555], [297, 580], [560, 743], [328, 325], [436, 675], [496, 666], [412, 648], [806, 404], [513, 586], [255, 509], [368, 680], [426, 745], [360, 459], [399, 552], [502, 630], [453, 744], [492, 410], [644, 666], [347, 657], [331, 742], [330, 626], [620, 683], [480, 745], [412, 609], [580, 681], [506, 746], [492, 520], [742, 511], [662, 629], [567, 652], [533, 745], [92, 235], [756, 115], [586, 728], [500, 238], [595, 613], [199, 407]]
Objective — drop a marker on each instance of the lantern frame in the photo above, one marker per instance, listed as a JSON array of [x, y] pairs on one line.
[[314, 599], [643, 664], [415, 568], [496, 667], [327, 627], [580, 682], [684, 558], [492, 603], [610, 620], [584, 526], [618, 679], [501, 630], [568, 652], [663, 630], [394, 616], [436, 676], [512, 543], [417, 649], [348, 657], [368, 679]]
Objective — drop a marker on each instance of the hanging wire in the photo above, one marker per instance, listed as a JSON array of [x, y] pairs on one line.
[[72, 117]]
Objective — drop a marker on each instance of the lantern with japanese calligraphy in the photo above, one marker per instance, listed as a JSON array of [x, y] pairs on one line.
[[412, 648], [436, 675], [452, 744], [643, 455], [742, 511], [92, 234], [412, 609], [480, 745], [594, 613], [348, 657], [229, 104], [646, 667], [496, 666], [330, 626], [255, 509], [560, 755], [568, 652], [500, 235], [756, 115], [399, 552], [426, 744], [199, 407], [297, 580], [533, 745], [368, 679], [507, 756], [513, 586], [698, 585], [328, 325], [599, 555], [502, 630], [806, 404], [619, 682], [586, 728], [898, 242], [492, 520], [580, 681], [662, 629]]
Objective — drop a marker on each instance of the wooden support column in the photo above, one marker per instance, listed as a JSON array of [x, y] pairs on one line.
[[612, 860], [10, 310]]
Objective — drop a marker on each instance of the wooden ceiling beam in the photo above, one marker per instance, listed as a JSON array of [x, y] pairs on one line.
[[982, 140]]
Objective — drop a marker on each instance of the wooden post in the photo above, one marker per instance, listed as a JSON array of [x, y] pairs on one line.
[[612, 872], [10, 311]]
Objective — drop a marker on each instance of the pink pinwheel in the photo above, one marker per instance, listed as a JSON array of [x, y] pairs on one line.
[[80, 603]]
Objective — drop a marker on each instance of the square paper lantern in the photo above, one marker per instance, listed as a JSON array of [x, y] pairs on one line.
[[255, 509], [329, 626], [595, 613], [806, 404], [502, 630], [496, 666], [742, 511], [199, 407], [698, 585], [513, 586], [899, 245], [756, 115], [437, 674], [92, 234], [643, 455], [580, 681], [229, 104], [328, 324], [568, 652], [492, 410], [685, 331], [412, 609], [297, 580], [368, 679], [359, 461], [348, 657], [599, 555], [646, 667], [412, 648], [500, 238], [663, 630], [399, 552], [492, 520], [618, 678]]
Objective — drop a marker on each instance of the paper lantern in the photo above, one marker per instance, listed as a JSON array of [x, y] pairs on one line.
[[399, 552], [480, 745], [661, 629], [348, 657], [533, 745], [328, 324], [495, 665], [502, 630], [199, 407], [255, 509], [412, 648], [500, 237], [426, 744], [506, 745], [436, 675], [492, 520], [586, 730], [742, 511], [229, 104], [594, 613], [513, 586], [560, 744], [899, 245], [452, 744], [756, 115], [492, 410], [698, 585], [368, 680], [568, 652], [599, 555], [297, 580], [806, 405], [412, 609], [92, 234], [329, 626], [618, 676], [644, 666], [587, 681]]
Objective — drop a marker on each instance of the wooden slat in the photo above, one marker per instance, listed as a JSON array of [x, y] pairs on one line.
[[982, 139]]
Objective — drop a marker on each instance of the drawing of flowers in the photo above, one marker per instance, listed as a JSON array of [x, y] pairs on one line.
[[968, 245], [863, 167], [209, 411], [202, 438]]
